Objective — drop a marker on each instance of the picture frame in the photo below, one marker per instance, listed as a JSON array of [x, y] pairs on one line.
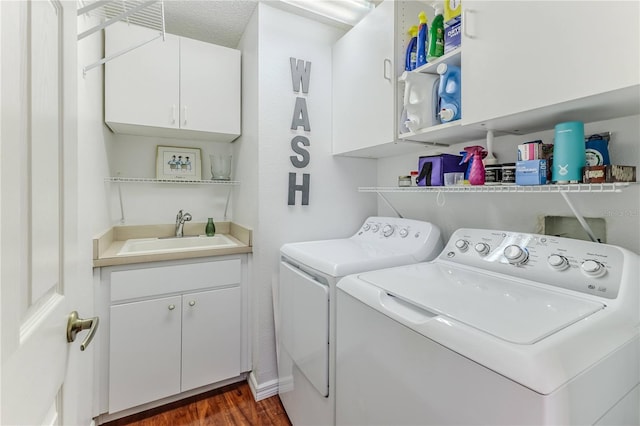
[[177, 163]]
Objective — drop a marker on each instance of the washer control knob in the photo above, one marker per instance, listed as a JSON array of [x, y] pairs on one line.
[[462, 245], [482, 248], [515, 254], [404, 232], [557, 262], [366, 227], [593, 268], [387, 231], [375, 227]]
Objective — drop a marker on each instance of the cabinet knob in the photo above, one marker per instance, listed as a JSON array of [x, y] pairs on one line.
[[172, 307], [192, 303]]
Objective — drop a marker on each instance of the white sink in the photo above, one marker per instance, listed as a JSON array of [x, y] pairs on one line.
[[169, 245]]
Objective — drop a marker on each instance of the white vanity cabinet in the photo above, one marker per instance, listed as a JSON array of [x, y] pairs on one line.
[[176, 87], [526, 55], [367, 62], [171, 327]]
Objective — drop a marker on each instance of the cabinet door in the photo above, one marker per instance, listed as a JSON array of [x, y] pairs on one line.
[[144, 352], [364, 83], [520, 56], [210, 337], [209, 87], [141, 86]]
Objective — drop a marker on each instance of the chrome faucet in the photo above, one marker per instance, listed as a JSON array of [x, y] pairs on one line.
[[180, 220]]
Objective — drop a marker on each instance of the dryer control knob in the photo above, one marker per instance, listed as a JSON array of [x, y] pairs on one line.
[[404, 232], [557, 262], [515, 254], [482, 248], [462, 245], [366, 227], [387, 231], [375, 227], [593, 268]]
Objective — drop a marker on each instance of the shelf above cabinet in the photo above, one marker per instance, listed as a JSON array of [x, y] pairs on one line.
[[587, 187]]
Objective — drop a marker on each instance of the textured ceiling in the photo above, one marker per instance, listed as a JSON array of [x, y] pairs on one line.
[[220, 22]]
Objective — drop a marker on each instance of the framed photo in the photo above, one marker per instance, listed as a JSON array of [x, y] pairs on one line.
[[175, 163]]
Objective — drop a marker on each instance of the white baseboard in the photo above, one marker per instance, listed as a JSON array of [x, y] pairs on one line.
[[263, 390]]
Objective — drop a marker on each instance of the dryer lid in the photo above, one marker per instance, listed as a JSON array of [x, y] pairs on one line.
[[510, 310], [341, 257]]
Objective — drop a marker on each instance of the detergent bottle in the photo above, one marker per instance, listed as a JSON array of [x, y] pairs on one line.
[[422, 40], [449, 92], [420, 101], [412, 49], [476, 174], [436, 35]]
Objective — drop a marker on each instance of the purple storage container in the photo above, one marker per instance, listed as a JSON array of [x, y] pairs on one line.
[[433, 167]]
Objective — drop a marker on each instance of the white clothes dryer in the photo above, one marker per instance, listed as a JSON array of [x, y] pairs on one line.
[[306, 325], [502, 328]]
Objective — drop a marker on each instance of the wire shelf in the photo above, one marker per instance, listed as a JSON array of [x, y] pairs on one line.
[[583, 187], [171, 181]]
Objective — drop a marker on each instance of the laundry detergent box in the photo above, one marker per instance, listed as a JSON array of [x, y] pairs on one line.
[[432, 168], [531, 172], [452, 35]]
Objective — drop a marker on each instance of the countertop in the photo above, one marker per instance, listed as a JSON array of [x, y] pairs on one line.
[[107, 244]]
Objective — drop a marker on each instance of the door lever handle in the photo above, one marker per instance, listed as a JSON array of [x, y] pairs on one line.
[[76, 325]]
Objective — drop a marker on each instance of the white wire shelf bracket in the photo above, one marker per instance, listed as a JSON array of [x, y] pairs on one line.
[[148, 14], [171, 181], [582, 187]]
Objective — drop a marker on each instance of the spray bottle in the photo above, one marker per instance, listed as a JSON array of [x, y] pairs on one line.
[[412, 49], [422, 40], [436, 35], [476, 175]]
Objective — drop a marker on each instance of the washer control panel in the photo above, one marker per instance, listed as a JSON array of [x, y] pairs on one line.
[[400, 235], [577, 265]]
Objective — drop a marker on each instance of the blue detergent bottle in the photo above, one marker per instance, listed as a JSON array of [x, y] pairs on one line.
[[449, 93], [412, 49], [422, 40]]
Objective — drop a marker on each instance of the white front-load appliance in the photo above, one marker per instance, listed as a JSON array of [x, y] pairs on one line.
[[309, 272], [502, 328]]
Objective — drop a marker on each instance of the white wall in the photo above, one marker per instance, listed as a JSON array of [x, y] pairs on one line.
[[335, 207], [144, 203], [522, 212], [93, 208]]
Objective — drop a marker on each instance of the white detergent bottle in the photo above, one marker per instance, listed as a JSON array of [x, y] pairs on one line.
[[420, 100]]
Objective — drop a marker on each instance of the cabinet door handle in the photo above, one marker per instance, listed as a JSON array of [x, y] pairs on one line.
[[173, 114], [385, 74], [184, 115], [465, 23], [172, 307], [192, 303]]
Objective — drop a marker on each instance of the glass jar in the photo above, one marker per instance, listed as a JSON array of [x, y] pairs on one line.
[[404, 181]]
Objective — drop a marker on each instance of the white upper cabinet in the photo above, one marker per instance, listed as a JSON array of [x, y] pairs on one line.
[[178, 87], [522, 56], [367, 62]]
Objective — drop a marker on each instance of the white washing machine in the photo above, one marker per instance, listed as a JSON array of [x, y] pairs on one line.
[[309, 272], [502, 328]]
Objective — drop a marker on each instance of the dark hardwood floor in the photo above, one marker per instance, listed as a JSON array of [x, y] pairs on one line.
[[231, 405]]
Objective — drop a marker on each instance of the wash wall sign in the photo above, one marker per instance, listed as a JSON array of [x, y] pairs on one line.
[[300, 76]]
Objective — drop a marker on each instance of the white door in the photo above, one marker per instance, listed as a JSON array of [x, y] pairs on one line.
[[40, 372]]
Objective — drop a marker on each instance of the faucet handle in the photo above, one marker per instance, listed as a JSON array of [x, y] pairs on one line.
[[186, 217]]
